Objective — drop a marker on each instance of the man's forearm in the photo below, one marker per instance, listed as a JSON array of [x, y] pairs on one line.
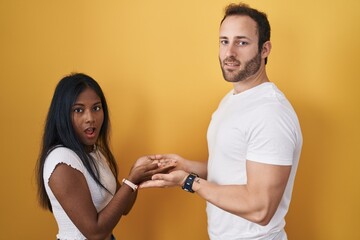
[[200, 168]]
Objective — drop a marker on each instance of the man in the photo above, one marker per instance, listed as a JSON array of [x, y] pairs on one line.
[[254, 140]]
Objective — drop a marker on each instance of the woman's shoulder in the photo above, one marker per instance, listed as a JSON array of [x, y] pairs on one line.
[[61, 154], [60, 150]]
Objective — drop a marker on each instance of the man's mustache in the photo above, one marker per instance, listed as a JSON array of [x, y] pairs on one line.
[[231, 60]]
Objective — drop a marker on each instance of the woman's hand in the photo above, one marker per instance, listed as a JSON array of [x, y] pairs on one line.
[[145, 167]]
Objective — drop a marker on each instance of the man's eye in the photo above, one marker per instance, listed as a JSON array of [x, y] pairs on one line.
[[242, 43], [223, 42]]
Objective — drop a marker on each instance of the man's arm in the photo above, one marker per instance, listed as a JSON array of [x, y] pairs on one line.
[[258, 200], [255, 201], [198, 167]]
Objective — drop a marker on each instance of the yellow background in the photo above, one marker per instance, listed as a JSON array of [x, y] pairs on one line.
[[157, 62]]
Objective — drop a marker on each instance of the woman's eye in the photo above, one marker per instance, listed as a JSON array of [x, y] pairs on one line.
[[78, 110], [97, 108]]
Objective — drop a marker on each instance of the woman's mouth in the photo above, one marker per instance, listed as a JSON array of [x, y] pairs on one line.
[[90, 132]]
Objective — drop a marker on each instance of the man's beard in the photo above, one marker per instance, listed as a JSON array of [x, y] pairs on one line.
[[250, 68]]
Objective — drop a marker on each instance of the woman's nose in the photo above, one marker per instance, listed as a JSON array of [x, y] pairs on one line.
[[89, 117]]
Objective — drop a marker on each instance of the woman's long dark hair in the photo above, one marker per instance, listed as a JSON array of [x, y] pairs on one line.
[[59, 130]]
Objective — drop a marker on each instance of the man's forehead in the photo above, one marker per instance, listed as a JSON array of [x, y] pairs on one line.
[[238, 26]]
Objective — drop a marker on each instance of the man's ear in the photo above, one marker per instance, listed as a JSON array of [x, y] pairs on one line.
[[266, 48]]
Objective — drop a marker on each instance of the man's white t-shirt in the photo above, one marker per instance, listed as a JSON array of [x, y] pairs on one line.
[[256, 125]]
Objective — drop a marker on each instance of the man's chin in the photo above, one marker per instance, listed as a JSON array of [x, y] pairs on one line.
[[230, 78]]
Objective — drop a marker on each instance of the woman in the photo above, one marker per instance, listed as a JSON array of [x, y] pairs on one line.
[[76, 171]]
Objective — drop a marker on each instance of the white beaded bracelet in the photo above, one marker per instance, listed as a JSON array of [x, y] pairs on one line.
[[130, 184]]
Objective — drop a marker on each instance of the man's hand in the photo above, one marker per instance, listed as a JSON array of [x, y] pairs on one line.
[[172, 179]]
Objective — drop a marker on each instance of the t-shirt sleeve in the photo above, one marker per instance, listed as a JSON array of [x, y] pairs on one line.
[[272, 137], [61, 155]]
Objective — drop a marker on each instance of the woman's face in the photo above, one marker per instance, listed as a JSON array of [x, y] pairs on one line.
[[87, 116]]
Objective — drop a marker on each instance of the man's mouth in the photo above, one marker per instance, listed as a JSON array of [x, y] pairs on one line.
[[231, 63]]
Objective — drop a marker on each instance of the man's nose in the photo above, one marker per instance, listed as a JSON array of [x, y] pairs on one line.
[[230, 51]]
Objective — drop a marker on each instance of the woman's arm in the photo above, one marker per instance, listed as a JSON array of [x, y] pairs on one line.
[[71, 190], [132, 199]]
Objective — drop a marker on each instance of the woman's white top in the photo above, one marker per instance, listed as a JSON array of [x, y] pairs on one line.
[[100, 197]]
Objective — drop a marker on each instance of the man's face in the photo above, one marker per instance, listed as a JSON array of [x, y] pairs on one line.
[[239, 55]]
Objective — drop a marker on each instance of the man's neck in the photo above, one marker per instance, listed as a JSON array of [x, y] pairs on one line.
[[253, 81]]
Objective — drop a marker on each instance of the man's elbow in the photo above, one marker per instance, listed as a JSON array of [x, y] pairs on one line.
[[263, 221], [262, 217]]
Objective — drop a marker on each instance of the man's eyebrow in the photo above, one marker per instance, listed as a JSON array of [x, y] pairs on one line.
[[242, 37], [236, 37]]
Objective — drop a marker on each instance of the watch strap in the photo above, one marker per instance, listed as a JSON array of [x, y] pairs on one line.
[[133, 186], [189, 182]]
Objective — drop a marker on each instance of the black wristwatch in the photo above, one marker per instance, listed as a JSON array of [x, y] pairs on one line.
[[189, 182]]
